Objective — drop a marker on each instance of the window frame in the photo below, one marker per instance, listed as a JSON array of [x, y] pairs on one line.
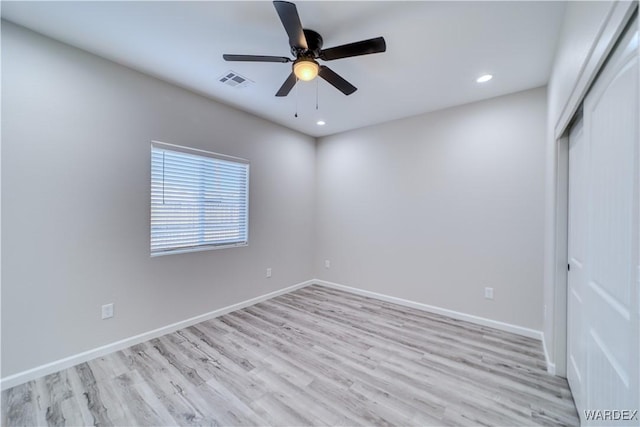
[[207, 154]]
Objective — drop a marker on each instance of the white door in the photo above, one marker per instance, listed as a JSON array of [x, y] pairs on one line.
[[577, 256], [603, 302]]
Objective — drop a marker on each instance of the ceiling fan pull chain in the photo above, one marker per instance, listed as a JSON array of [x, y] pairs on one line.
[[296, 115], [317, 84]]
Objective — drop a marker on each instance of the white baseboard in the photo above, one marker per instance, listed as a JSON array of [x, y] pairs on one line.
[[507, 327], [68, 362], [551, 367]]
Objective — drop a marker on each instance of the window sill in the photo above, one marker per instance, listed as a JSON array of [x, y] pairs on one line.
[[198, 249]]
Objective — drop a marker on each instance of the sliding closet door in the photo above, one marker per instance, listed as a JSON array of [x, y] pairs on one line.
[[603, 333]]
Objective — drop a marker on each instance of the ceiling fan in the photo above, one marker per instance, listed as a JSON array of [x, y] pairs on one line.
[[306, 46]]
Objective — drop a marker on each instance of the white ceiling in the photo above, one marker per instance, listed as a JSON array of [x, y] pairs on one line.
[[435, 51]]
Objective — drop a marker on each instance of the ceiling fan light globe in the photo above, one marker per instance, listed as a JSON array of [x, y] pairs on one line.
[[306, 70]]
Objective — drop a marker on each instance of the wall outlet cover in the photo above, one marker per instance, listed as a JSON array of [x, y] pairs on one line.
[[488, 293], [107, 311]]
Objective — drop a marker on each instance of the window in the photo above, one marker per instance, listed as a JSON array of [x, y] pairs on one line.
[[199, 200]]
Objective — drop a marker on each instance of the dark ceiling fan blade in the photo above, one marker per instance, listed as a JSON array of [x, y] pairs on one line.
[[364, 47], [287, 85], [288, 14], [338, 82], [255, 58]]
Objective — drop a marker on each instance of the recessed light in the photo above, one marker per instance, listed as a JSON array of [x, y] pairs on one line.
[[320, 123], [484, 78]]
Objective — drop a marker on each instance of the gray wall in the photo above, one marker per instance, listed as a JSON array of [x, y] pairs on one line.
[[434, 208], [76, 133]]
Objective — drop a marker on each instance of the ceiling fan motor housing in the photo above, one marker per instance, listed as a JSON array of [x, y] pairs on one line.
[[314, 45]]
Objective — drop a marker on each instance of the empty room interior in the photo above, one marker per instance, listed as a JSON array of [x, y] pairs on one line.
[[354, 213]]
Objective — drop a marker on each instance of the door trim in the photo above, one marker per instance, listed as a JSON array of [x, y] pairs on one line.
[[610, 30]]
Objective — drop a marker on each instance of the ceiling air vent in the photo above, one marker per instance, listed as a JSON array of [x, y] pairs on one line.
[[233, 79]]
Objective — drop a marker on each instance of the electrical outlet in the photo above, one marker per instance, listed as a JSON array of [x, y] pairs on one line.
[[107, 311], [488, 293], [327, 263], [268, 272]]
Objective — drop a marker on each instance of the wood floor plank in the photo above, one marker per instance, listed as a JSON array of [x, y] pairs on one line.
[[18, 406], [316, 356], [90, 402]]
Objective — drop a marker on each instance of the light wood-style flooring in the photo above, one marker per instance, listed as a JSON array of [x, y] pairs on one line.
[[316, 356]]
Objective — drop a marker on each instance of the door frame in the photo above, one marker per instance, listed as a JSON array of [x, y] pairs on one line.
[[619, 16], [561, 276]]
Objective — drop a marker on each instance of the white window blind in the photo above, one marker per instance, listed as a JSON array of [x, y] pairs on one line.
[[199, 200]]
